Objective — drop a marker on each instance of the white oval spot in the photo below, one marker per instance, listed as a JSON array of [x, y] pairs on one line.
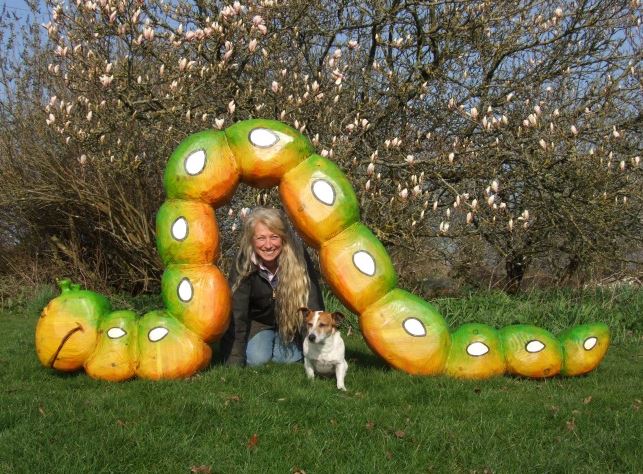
[[115, 333], [184, 290], [156, 334], [534, 346], [263, 138], [590, 343], [414, 327], [324, 192], [180, 228], [195, 162], [364, 262], [477, 349]]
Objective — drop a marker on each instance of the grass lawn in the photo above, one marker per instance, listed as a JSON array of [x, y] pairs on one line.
[[230, 420]]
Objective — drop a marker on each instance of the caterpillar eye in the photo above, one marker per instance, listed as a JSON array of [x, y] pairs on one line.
[[180, 228], [158, 333], [324, 192], [184, 290], [414, 327], [534, 346], [195, 162], [590, 343], [263, 138], [115, 333], [477, 349], [364, 262]]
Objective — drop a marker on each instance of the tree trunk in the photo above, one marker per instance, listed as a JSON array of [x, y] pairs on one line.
[[515, 266]]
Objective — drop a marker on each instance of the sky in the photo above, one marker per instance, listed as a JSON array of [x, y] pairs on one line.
[[18, 7]]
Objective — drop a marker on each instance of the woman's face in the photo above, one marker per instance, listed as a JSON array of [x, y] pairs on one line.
[[267, 245]]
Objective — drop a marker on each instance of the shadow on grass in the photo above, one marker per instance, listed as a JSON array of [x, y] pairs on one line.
[[366, 359], [66, 375]]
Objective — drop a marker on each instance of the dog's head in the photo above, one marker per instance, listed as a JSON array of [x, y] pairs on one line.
[[320, 324]]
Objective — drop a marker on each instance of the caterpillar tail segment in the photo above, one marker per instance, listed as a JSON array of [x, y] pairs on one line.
[[406, 331]]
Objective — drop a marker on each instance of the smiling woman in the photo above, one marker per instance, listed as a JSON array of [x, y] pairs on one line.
[[272, 278]]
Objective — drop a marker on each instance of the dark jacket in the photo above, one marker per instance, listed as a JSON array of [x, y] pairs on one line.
[[253, 310]]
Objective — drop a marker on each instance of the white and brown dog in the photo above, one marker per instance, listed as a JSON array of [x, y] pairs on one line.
[[323, 345]]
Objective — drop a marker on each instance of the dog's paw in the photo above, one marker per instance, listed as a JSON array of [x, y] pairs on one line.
[[342, 388]]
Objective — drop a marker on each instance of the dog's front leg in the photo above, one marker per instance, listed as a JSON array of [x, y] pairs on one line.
[[308, 367], [340, 373]]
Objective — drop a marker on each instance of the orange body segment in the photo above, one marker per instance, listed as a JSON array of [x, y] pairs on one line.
[[167, 349], [407, 332], [319, 199], [357, 267], [115, 356], [199, 296], [531, 351]]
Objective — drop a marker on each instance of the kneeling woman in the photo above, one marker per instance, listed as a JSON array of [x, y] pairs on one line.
[[272, 278]]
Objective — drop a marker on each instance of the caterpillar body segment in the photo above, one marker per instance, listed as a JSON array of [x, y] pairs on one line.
[[115, 355], [187, 232], [203, 173], [167, 349], [357, 267], [584, 347], [266, 150], [323, 209], [407, 332], [202, 168], [531, 351], [475, 353], [198, 296]]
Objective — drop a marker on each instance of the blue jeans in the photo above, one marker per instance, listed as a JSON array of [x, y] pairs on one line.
[[266, 346]]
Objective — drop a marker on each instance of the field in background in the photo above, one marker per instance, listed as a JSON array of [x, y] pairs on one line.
[[272, 419]]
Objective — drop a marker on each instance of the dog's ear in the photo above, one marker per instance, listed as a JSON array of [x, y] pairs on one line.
[[338, 317], [303, 310]]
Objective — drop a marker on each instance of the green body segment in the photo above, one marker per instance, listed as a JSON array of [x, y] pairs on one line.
[[202, 168], [584, 347], [531, 351], [186, 232], [319, 199], [476, 352]]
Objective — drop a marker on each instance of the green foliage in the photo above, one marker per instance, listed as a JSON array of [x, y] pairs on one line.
[[554, 310], [273, 419], [32, 299]]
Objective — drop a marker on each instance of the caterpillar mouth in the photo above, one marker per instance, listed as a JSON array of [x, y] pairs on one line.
[[64, 340]]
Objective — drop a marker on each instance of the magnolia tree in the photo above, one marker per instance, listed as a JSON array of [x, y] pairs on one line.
[[491, 134]]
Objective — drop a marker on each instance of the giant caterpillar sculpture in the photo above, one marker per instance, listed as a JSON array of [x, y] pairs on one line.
[[78, 329]]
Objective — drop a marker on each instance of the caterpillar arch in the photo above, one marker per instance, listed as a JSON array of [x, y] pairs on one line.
[[406, 331]]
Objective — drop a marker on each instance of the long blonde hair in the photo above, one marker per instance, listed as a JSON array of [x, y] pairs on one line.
[[294, 284]]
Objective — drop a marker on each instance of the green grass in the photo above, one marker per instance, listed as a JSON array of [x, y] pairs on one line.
[[272, 419]]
